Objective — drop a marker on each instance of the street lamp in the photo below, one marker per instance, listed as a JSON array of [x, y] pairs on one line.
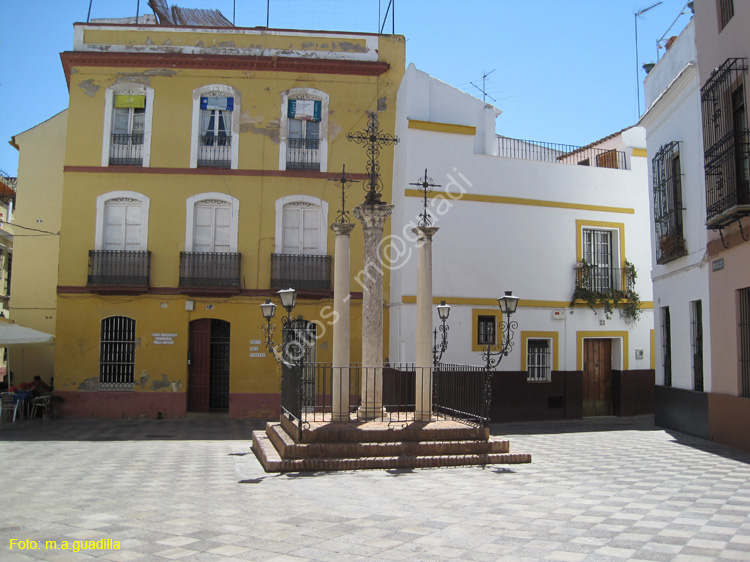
[[268, 309], [508, 305], [444, 310]]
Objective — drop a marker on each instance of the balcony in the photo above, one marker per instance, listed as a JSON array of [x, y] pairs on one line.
[[301, 271], [214, 151], [126, 150], [727, 165], [210, 270], [602, 279], [119, 268], [561, 153], [303, 154]]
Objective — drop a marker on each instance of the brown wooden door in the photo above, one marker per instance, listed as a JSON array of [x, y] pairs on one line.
[[597, 377], [199, 370]]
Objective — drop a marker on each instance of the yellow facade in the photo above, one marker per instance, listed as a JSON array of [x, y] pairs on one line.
[[356, 81]]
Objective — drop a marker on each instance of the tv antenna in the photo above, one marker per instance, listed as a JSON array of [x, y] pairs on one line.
[[637, 15], [483, 89]]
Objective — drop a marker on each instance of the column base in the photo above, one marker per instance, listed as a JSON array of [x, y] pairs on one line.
[[369, 414]]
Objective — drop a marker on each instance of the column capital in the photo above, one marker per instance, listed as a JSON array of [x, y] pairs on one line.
[[343, 228], [372, 215], [425, 232]]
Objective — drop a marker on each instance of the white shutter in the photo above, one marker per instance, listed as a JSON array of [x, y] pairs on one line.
[[212, 222], [291, 232], [133, 228], [122, 225], [203, 225], [222, 224], [311, 232]]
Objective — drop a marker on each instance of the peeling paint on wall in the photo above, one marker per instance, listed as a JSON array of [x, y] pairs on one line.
[[149, 41], [225, 43], [382, 104], [348, 46], [151, 72], [89, 384], [144, 379], [89, 87], [165, 383], [271, 130]]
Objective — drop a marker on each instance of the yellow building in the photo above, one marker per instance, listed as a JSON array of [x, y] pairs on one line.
[[196, 185], [34, 280]]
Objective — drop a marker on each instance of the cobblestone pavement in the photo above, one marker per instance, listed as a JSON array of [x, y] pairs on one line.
[[602, 489]]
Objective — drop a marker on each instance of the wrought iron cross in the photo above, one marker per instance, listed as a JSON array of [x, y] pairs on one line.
[[343, 214], [373, 139], [425, 184]]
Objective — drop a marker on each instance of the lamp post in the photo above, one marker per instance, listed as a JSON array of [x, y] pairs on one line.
[[268, 309], [508, 305], [444, 311]]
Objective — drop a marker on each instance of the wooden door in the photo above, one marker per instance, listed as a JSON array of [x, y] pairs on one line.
[[199, 370], [597, 377]]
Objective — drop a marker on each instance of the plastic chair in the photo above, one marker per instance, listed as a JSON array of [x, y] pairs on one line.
[[8, 405], [44, 402]]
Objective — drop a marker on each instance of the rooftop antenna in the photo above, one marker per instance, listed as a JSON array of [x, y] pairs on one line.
[[483, 89], [268, 13], [137, 11], [637, 15], [686, 9], [385, 17], [88, 17]]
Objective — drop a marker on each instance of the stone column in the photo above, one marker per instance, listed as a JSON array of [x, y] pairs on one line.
[[373, 217], [423, 410], [341, 326]]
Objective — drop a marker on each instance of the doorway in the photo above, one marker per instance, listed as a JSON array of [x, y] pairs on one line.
[[597, 377], [208, 366]]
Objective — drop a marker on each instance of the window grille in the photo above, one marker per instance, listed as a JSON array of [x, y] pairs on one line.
[[486, 330], [727, 144], [666, 345], [538, 361], [744, 299], [726, 12], [117, 353], [696, 329], [597, 252], [667, 180]]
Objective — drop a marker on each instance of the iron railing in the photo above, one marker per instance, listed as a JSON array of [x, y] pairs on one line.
[[459, 392], [126, 150], [119, 267], [302, 154], [667, 181], [561, 153], [301, 271], [600, 279], [210, 269], [215, 151], [726, 142]]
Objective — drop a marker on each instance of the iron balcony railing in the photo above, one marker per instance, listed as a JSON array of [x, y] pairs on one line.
[[301, 271], [600, 279], [126, 150], [119, 267], [215, 151], [303, 154], [210, 269], [561, 153], [459, 392]]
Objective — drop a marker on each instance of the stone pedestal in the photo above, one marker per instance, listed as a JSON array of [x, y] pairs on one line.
[[373, 217], [341, 326], [424, 365]]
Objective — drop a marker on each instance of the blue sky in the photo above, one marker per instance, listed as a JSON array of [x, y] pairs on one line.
[[564, 71]]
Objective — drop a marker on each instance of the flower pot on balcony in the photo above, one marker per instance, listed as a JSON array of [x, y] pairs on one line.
[[672, 245]]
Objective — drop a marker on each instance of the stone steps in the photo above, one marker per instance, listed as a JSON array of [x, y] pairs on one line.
[[377, 445]]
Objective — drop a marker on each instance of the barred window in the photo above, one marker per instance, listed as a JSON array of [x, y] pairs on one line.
[[117, 353], [726, 12], [667, 176], [538, 364], [744, 328], [486, 330], [666, 345]]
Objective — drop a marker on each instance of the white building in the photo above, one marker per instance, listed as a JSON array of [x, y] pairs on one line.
[[680, 263], [520, 216]]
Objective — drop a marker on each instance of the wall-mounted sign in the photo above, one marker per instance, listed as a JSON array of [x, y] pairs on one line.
[[257, 355], [254, 342], [717, 265], [254, 348], [164, 339]]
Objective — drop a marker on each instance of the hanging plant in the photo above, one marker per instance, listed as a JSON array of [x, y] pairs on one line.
[[626, 301], [671, 246]]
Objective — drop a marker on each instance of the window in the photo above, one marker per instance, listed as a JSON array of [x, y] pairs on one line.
[[696, 341], [215, 133], [127, 125], [301, 225], [538, 363], [607, 159], [666, 345], [122, 221], [667, 181], [726, 142], [726, 12], [486, 330], [212, 223], [117, 353], [597, 253], [744, 329], [304, 125]]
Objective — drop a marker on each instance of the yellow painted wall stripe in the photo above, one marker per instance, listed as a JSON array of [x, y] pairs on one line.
[[521, 201], [640, 152], [442, 127]]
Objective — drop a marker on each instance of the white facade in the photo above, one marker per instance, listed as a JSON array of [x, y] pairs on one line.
[[510, 224], [672, 91]]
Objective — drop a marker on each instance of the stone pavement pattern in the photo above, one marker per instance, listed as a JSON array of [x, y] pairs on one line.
[[603, 489]]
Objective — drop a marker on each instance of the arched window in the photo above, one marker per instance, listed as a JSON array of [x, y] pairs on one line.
[[128, 113], [301, 225], [215, 131], [212, 223], [117, 353], [304, 130], [122, 221]]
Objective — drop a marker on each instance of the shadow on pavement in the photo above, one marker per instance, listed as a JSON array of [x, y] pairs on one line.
[[585, 425]]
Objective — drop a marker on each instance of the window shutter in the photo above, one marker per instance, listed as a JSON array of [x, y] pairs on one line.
[[127, 100]]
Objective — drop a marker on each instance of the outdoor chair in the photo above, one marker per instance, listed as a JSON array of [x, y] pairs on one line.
[[8, 407], [44, 402]]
